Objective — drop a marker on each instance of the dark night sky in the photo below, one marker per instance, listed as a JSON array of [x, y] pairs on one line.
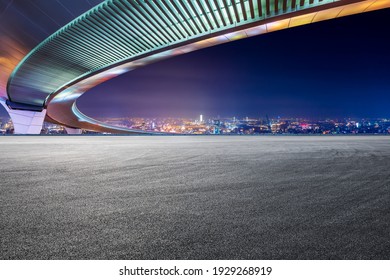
[[334, 68]]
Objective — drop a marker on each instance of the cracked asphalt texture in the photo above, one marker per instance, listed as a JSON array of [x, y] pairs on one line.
[[195, 197]]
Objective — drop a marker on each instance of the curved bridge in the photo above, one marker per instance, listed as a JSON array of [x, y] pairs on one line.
[[118, 36]]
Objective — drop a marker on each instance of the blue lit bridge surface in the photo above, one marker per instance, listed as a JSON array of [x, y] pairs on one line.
[[118, 36]]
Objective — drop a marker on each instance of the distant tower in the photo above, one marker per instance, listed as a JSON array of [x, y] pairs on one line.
[[201, 118], [268, 122], [217, 127]]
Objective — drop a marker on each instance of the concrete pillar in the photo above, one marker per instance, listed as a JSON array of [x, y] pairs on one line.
[[25, 122], [73, 130]]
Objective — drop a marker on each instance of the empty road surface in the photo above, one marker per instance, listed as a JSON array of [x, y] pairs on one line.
[[228, 197]]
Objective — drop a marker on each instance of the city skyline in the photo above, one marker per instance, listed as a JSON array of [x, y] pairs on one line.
[[206, 125]]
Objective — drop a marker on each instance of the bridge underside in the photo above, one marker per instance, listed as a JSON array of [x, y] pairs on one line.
[[127, 35]]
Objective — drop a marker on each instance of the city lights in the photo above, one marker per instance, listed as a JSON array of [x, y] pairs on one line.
[[232, 126]]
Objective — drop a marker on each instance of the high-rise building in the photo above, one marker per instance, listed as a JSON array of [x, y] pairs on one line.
[[201, 118], [217, 127]]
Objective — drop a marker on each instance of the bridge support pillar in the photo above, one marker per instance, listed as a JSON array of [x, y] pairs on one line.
[[73, 131], [24, 121]]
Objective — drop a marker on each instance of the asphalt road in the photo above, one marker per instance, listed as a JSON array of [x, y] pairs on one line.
[[195, 197]]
